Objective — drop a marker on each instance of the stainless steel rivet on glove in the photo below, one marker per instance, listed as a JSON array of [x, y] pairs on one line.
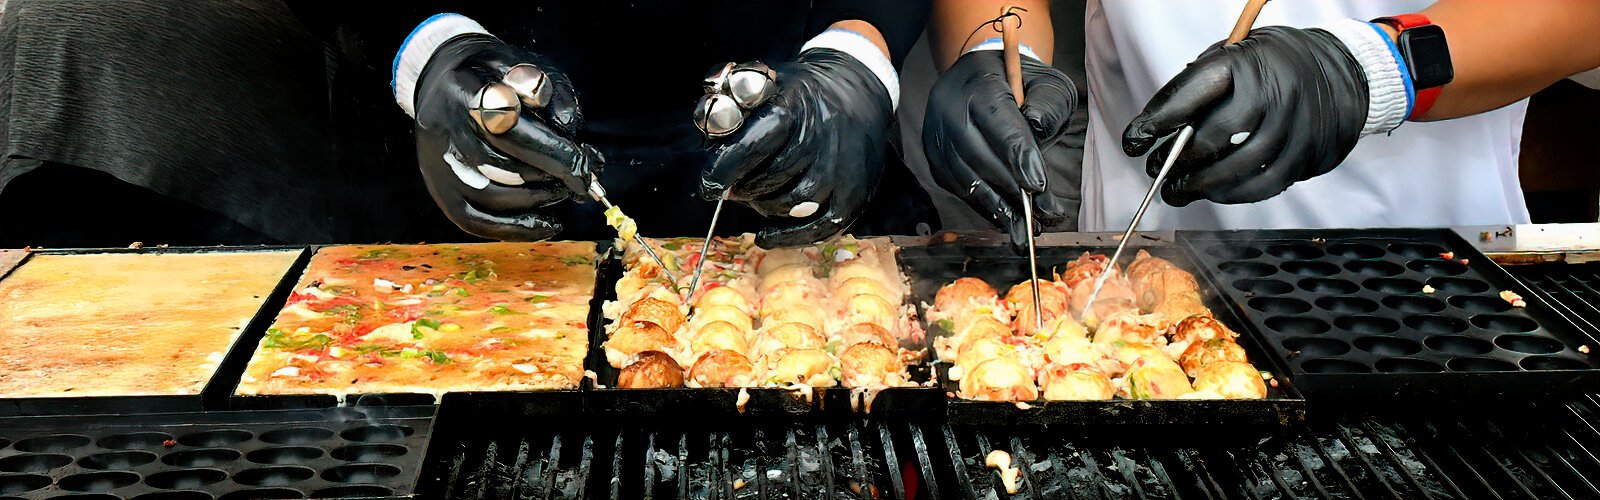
[[530, 83], [495, 107], [732, 90]]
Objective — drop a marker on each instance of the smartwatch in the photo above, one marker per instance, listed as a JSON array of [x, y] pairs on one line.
[[1426, 56]]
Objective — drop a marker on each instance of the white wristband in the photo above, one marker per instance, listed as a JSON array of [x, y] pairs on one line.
[[1388, 101], [997, 43], [863, 50], [418, 48]]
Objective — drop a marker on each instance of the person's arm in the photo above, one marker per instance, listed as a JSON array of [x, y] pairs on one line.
[[981, 146], [950, 31], [1505, 51]]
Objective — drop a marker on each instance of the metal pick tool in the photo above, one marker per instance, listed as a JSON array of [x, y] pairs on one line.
[[1240, 30], [1013, 64], [1177, 147], [495, 107], [599, 194], [694, 283]]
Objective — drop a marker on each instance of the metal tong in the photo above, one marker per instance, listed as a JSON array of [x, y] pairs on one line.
[[599, 194], [1240, 29]]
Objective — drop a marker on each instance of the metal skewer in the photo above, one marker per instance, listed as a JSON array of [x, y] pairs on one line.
[[599, 194], [1012, 55], [1240, 30], [694, 283]]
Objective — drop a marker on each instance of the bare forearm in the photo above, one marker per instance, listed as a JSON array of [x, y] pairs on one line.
[[950, 31], [1504, 51]]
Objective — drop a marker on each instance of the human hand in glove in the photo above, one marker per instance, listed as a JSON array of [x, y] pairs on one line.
[[985, 150], [812, 153], [1281, 106], [493, 185]]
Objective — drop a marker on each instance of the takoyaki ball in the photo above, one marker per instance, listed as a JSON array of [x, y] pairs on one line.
[[870, 365], [1199, 328], [803, 313], [1116, 291], [719, 335], [788, 336], [857, 269], [722, 368], [1144, 264], [870, 309], [976, 351], [1160, 284], [651, 370], [1128, 327], [1085, 267], [724, 296], [1157, 377], [1126, 353], [636, 337], [774, 259], [789, 294], [1068, 349], [960, 293], [1200, 354], [1231, 380], [811, 367], [1061, 383], [867, 333], [1065, 325], [863, 286], [1181, 305], [654, 310], [1052, 303], [730, 314], [999, 379], [788, 276]]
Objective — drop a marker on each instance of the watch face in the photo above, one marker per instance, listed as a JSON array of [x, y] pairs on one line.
[[1427, 56]]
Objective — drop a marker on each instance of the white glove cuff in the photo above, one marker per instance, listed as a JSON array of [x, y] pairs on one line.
[[1388, 90], [418, 48], [997, 43], [863, 50]]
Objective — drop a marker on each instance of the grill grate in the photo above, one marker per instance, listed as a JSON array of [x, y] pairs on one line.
[[1538, 451]]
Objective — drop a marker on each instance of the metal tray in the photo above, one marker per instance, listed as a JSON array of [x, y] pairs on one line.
[[698, 403], [1345, 310], [563, 401], [216, 391], [942, 261], [276, 454]]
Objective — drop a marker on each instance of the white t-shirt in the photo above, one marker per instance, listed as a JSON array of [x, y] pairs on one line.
[[1451, 173]]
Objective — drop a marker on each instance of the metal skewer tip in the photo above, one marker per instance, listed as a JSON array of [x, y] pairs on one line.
[[694, 283], [599, 194]]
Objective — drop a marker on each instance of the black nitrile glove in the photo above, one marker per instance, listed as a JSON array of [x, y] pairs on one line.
[[985, 150], [491, 185], [1281, 106], [821, 139]]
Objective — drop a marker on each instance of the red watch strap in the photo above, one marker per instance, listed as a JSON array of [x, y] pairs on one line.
[[1425, 98], [1403, 22]]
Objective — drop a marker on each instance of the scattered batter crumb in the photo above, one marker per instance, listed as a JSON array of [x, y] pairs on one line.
[[1428, 289], [1513, 298], [738, 484], [1583, 349], [1001, 462], [1023, 405], [1448, 256], [1464, 262]]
